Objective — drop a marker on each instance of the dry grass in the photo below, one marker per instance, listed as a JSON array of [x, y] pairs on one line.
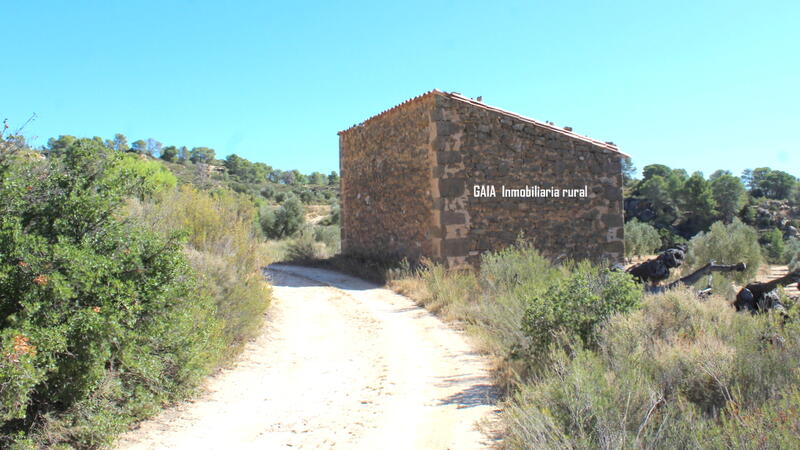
[[317, 213], [224, 247], [677, 373]]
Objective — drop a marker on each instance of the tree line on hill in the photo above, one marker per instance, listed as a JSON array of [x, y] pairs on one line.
[[677, 206], [242, 169]]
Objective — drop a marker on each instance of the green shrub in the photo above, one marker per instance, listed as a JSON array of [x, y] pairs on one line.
[[773, 245], [314, 243], [145, 176], [726, 244], [577, 305], [268, 192], [670, 239], [87, 300], [508, 278], [223, 247], [335, 218], [640, 239], [448, 294], [792, 253], [676, 373], [285, 221], [305, 248], [592, 363], [331, 236]]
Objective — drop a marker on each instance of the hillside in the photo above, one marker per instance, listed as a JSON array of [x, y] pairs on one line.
[[678, 206]]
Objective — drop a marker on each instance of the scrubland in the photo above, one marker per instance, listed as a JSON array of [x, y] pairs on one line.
[[588, 361], [119, 292]]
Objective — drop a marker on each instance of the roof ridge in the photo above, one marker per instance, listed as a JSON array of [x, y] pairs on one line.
[[393, 108], [608, 145], [457, 96]]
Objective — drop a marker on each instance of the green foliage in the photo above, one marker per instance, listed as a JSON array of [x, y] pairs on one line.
[[656, 190], [120, 143], [298, 178], [640, 239], [749, 215], [246, 171], [628, 170], [652, 170], [677, 373], [663, 194], [224, 249], [577, 305], [87, 300], [317, 178], [19, 373], [305, 248], [258, 180], [183, 154], [729, 195], [330, 235], [314, 243], [154, 147], [139, 146], [689, 204], [268, 192], [146, 176], [791, 254], [448, 292], [669, 239], [773, 245], [493, 301], [170, 153], [726, 244], [336, 215], [519, 301], [284, 221], [776, 184], [333, 179], [697, 200], [202, 155], [56, 146], [717, 174], [664, 371]]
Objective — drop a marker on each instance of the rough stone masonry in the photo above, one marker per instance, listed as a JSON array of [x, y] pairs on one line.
[[447, 177]]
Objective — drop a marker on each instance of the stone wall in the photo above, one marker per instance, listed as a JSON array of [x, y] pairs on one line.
[[386, 198], [408, 178], [476, 146]]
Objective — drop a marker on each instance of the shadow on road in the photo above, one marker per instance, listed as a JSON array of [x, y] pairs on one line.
[[287, 275], [475, 395]]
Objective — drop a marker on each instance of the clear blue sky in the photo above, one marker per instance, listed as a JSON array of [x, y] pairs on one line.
[[698, 85]]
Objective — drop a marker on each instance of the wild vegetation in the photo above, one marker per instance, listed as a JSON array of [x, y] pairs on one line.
[[640, 239], [118, 293], [128, 272], [679, 206], [297, 212], [590, 361]]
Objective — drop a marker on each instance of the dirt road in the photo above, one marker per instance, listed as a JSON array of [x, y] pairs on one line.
[[342, 364]]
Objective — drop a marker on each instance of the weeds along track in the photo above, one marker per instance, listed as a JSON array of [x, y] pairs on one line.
[[342, 363]]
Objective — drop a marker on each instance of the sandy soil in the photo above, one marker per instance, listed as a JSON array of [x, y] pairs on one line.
[[342, 364]]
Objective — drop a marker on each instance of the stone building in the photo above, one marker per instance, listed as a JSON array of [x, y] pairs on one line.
[[447, 177]]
